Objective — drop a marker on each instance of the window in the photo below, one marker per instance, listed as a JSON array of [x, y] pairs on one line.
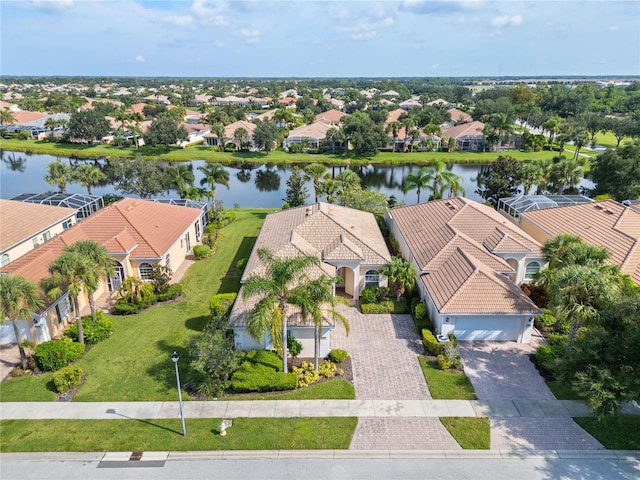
[[532, 269], [167, 261], [197, 225], [67, 224], [46, 235], [5, 259], [371, 278], [35, 242], [144, 270]]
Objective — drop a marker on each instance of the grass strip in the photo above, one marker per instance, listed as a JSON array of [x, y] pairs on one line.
[[470, 432], [166, 434], [615, 433], [445, 385], [334, 389]]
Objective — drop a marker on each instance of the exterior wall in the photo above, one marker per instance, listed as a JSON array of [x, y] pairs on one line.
[[348, 281], [27, 245], [8, 336], [533, 230], [520, 325], [305, 335]]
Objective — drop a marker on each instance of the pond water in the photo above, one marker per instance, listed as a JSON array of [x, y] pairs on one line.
[[262, 186]]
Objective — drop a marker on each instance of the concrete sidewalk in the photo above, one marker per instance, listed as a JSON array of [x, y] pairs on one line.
[[298, 408]]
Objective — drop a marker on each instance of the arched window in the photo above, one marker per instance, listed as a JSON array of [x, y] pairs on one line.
[[5, 259], [532, 269], [144, 269], [371, 279]]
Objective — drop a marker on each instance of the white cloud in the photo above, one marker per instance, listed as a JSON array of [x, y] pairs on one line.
[[426, 7], [179, 20], [366, 27], [363, 35], [139, 58], [209, 12], [252, 37], [52, 4], [505, 20]]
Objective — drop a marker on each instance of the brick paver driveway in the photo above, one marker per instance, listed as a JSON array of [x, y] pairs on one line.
[[502, 370], [383, 351]]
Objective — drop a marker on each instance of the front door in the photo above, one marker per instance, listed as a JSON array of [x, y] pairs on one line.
[[115, 282]]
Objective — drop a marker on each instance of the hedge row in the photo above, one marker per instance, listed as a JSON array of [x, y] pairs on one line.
[[55, 354], [122, 307], [252, 377], [386, 306]]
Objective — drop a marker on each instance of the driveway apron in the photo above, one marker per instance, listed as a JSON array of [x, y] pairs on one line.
[[503, 371], [383, 350]]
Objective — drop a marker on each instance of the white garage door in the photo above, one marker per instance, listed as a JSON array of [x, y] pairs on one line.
[[487, 328]]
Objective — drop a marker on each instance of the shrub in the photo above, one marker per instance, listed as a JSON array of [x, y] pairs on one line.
[[55, 354], [420, 312], [546, 356], [294, 347], [122, 307], [307, 374], [173, 292], [545, 321], [220, 305], [451, 353], [67, 378], [386, 306], [94, 332], [369, 295], [337, 356], [201, 251], [444, 362], [256, 377], [414, 302], [453, 339], [240, 264], [160, 276], [266, 358], [430, 342]]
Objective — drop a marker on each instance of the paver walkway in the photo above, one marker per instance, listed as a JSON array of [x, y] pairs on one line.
[[503, 371], [384, 350]]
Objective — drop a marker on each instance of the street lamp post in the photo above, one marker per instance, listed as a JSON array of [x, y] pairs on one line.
[[175, 358]]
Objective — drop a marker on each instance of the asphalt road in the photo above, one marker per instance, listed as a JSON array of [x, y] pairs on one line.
[[83, 466]]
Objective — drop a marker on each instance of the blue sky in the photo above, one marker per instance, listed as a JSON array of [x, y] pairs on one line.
[[319, 38]]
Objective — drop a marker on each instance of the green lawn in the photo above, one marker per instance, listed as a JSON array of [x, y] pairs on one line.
[[165, 435], [199, 152], [33, 389], [615, 433], [134, 363], [445, 385], [471, 433]]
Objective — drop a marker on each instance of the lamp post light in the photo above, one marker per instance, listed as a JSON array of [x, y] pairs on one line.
[[175, 358]]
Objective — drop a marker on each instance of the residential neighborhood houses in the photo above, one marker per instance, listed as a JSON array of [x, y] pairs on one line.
[[404, 282]]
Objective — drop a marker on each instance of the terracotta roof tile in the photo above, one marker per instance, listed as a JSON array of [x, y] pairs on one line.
[[607, 224]]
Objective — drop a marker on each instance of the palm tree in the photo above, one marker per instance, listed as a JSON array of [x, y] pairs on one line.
[[59, 174], [214, 174], [134, 120], [552, 125], [566, 173], [315, 172], [444, 180], [401, 275], [241, 136], [418, 181], [408, 123], [503, 123], [218, 129], [181, 177], [394, 128], [18, 298], [88, 176], [334, 135], [71, 272], [283, 284], [322, 303], [51, 123], [101, 262], [330, 188], [6, 117]]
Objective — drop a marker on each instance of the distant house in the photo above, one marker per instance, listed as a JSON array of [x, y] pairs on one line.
[[348, 244], [309, 135], [410, 104], [212, 139], [136, 233], [458, 116], [470, 262], [158, 99], [333, 117], [390, 94], [606, 223], [25, 226], [469, 137]]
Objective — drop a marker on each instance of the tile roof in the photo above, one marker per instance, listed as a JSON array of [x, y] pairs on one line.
[[464, 285], [607, 224], [230, 129], [23, 117], [330, 232], [316, 130], [146, 228], [456, 243], [22, 220], [331, 116], [473, 129], [459, 116], [394, 115]]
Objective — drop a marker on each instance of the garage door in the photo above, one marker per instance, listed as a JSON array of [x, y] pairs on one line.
[[487, 328]]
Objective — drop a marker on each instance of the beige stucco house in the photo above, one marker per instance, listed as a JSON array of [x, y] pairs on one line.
[[470, 262], [136, 233], [348, 243]]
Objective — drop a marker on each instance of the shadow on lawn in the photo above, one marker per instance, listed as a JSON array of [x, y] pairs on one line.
[[163, 369], [113, 411], [230, 281]]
